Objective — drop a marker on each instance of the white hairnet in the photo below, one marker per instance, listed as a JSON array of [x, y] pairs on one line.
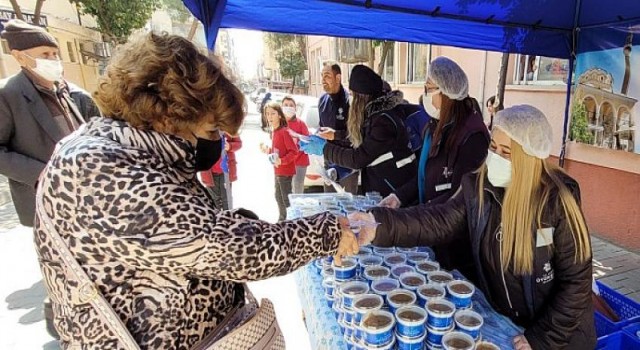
[[449, 77], [527, 126]]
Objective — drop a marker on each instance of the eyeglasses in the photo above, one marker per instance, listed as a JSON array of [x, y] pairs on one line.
[[431, 89]]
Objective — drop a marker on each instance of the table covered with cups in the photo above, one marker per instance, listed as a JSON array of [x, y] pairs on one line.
[[391, 298]]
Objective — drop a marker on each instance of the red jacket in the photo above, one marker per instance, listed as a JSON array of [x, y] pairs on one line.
[[283, 144], [235, 143], [300, 127]]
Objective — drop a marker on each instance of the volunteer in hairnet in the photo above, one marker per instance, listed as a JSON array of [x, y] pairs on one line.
[[455, 143], [528, 235]]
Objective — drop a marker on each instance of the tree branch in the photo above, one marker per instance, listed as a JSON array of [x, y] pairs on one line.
[[17, 9], [36, 15], [192, 30]]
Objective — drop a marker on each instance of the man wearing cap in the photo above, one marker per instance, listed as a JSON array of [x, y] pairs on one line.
[[37, 109]]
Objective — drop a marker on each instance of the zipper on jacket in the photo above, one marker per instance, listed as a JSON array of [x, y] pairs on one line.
[[499, 239], [504, 282]]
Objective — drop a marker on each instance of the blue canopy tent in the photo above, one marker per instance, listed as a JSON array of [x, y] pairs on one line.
[[550, 28]]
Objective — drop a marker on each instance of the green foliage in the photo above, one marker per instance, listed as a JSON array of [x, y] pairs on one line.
[[579, 130], [117, 19], [291, 62], [290, 53], [178, 12]]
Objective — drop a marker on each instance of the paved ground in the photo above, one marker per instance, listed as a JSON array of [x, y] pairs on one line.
[[22, 292]]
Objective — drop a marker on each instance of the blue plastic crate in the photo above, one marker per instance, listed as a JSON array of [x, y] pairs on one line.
[[618, 341], [633, 330], [627, 309]]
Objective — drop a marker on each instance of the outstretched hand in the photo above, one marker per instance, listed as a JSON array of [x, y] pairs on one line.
[[390, 201], [348, 245], [367, 224], [315, 146], [520, 343]]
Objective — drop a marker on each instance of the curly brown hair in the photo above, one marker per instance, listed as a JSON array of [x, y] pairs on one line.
[[161, 81]]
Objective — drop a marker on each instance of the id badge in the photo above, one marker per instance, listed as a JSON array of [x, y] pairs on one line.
[[544, 237], [443, 187]]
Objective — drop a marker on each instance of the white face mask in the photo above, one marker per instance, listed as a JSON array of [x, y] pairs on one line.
[[499, 170], [50, 70], [289, 112], [428, 106]]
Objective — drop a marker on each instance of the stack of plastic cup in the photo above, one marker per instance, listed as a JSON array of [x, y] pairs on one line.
[[361, 305], [394, 259], [372, 273], [460, 293], [457, 341], [429, 291], [383, 286], [415, 258], [346, 271], [469, 322], [398, 298], [426, 267], [412, 280], [439, 277], [410, 327], [378, 329], [439, 320], [399, 269], [382, 251]]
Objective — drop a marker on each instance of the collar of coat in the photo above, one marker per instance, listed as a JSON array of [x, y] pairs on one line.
[[384, 102], [172, 150]]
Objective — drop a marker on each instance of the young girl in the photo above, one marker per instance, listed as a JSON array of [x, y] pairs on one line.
[[282, 153], [297, 125]]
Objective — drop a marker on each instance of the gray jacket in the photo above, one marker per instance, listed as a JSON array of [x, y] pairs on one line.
[[28, 135]]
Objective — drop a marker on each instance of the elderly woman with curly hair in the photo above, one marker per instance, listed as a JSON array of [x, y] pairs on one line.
[[123, 195]]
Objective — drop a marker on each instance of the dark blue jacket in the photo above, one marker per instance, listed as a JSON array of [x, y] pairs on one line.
[[334, 113]]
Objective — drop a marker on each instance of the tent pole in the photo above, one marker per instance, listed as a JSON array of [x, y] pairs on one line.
[[572, 58], [502, 81], [565, 128]]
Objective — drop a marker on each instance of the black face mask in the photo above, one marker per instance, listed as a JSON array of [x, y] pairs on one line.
[[207, 153]]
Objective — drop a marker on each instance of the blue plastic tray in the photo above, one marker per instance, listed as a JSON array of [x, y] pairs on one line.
[[633, 330], [627, 309], [618, 341]]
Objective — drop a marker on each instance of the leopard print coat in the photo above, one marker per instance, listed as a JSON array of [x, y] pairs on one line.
[[129, 206]]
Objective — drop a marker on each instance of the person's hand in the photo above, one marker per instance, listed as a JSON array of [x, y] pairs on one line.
[[327, 133], [390, 201], [277, 162], [520, 343], [264, 148], [315, 146], [367, 226], [348, 245], [227, 146]]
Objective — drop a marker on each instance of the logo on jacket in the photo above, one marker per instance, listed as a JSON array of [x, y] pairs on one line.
[[547, 276], [340, 116]]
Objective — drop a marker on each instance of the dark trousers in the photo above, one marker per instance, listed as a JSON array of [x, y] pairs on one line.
[[219, 192], [283, 188]]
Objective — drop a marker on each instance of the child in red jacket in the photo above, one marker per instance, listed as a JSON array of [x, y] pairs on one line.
[[297, 125], [282, 154], [214, 178]]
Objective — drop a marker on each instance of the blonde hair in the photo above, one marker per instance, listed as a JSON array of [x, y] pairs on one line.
[[524, 203], [357, 111]]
